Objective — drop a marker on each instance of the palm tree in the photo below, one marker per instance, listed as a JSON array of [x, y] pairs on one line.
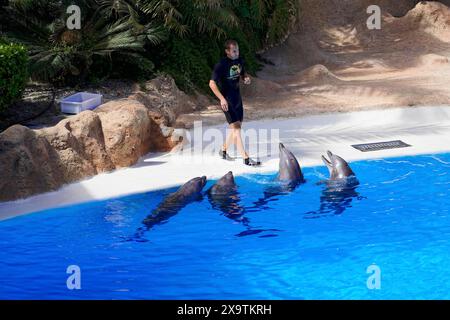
[[212, 17], [57, 53]]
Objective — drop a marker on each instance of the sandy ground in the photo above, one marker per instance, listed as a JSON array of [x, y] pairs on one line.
[[333, 63]]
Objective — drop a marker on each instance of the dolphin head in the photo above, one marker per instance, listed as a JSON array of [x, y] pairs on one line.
[[226, 180], [289, 168], [193, 186], [338, 167], [224, 196], [190, 191], [224, 184]]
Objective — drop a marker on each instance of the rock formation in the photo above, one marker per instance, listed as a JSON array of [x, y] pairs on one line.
[[114, 135]]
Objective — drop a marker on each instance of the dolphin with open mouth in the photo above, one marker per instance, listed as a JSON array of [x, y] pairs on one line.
[[339, 190], [338, 167]]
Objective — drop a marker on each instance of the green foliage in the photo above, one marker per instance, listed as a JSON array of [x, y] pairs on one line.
[[265, 22], [13, 73], [211, 17], [280, 20], [186, 64], [63, 56], [136, 38], [201, 28]]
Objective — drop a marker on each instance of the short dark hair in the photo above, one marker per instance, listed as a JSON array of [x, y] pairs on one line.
[[230, 43]]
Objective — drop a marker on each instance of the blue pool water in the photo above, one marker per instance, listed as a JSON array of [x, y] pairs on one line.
[[312, 243]]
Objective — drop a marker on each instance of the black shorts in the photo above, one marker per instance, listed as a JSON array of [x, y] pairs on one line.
[[235, 112]]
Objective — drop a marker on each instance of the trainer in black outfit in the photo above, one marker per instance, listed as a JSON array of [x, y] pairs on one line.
[[225, 85]]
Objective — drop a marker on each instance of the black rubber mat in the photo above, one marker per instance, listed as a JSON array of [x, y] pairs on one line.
[[366, 147]]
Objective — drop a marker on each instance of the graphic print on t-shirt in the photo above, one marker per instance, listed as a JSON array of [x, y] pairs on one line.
[[235, 71]]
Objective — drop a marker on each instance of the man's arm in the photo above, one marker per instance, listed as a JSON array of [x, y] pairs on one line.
[[216, 75], [218, 94]]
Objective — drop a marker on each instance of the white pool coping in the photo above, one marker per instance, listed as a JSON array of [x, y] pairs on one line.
[[427, 129]]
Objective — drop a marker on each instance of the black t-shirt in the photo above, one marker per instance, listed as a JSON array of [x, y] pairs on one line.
[[226, 74]]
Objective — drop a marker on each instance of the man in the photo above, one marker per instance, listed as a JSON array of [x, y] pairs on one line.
[[225, 85]]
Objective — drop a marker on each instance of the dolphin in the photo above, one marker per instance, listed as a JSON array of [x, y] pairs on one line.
[[224, 185], [289, 171], [288, 178], [338, 167], [224, 196], [189, 192], [340, 188]]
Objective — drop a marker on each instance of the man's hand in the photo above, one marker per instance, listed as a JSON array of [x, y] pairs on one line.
[[247, 80], [224, 104]]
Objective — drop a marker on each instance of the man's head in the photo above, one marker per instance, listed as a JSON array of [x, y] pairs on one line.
[[232, 49]]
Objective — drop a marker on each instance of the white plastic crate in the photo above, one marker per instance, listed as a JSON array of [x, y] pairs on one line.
[[80, 101]]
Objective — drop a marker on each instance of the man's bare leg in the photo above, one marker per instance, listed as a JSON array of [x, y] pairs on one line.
[[240, 146], [236, 127], [235, 137], [229, 140]]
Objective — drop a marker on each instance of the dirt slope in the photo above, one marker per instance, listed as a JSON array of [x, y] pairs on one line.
[[333, 62]]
